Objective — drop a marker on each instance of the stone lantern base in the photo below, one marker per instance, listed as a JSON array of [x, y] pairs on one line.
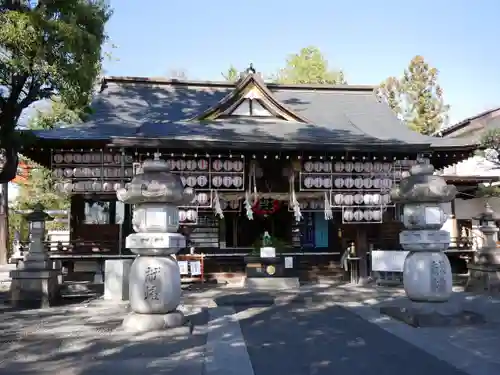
[[135, 322], [34, 288], [483, 278]]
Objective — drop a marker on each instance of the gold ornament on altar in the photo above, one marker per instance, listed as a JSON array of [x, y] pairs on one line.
[[271, 270]]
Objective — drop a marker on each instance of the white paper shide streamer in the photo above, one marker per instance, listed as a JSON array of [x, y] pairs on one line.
[[328, 208], [217, 207]]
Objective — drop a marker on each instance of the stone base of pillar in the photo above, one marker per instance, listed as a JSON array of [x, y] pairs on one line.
[[439, 314], [483, 278], [34, 288], [487, 258], [135, 322]]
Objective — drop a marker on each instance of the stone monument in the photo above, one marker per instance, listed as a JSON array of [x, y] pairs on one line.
[[154, 279], [484, 270], [427, 276], [35, 283]]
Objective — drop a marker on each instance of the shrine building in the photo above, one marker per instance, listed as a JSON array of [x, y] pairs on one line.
[[312, 165]]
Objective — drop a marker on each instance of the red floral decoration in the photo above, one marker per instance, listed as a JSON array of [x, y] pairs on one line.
[[265, 212]]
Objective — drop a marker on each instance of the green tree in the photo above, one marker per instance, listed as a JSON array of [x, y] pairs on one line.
[[416, 97], [232, 74], [48, 48], [309, 66]]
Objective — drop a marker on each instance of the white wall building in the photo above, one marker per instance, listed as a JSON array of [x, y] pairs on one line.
[[468, 174]]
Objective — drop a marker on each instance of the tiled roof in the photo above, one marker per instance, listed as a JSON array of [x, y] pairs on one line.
[[131, 107]]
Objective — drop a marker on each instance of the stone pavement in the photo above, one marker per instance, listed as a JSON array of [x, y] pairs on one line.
[[318, 330]]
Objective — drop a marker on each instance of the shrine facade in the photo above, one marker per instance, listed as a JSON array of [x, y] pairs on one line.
[[312, 165]]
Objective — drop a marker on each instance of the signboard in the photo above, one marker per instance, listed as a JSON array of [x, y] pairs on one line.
[[388, 260]]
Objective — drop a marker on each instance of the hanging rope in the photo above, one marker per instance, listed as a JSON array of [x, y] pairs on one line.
[[252, 188]]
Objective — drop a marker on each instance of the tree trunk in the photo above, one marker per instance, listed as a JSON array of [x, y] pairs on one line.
[[4, 223]]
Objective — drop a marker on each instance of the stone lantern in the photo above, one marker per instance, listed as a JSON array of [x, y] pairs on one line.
[[154, 279], [427, 273], [484, 271], [35, 282]]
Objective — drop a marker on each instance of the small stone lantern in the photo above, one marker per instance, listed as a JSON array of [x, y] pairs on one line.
[[35, 282], [154, 280], [427, 273], [484, 271]]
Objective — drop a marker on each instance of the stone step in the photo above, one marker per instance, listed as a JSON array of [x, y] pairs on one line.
[[272, 283], [81, 289]]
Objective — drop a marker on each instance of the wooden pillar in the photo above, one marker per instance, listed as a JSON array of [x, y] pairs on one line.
[[362, 251], [453, 225]]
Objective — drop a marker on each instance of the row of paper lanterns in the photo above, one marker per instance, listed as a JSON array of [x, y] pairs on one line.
[[362, 215], [326, 166], [348, 183], [91, 158], [217, 181], [367, 199], [203, 165], [91, 172], [87, 186]]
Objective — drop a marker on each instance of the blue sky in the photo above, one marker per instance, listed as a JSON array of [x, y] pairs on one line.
[[368, 40]]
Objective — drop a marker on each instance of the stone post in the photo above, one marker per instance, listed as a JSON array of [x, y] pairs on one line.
[[484, 271], [154, 279], [35, 282], [427, 272]]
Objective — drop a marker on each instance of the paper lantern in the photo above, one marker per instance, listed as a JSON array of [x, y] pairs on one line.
[[318, 182], [368, 215], [327, 182], [386, 167], [227, 181], [349, 166], [377, 183], [171, 164], [339, 183], [358, 183], [183, 181], [376, 199], [348, 199], [202, 181], [308, 182], [327, 166], [358, 198], [191, 215], [202, 198], [358, 215], [217, 165], [181, 164], [308, 166], [191, 181], [58, 158], [339, 166], [237, 165], [367, 199], [358, 166], [318, 166], [338, 199], [217, 181], [368, 166], [227, 165], [348, 215], [367, 183], [377, 167], [68, 158], [191, 165], [349, 182], [182, 215], [377, 215], [202, 165], [237, 181]]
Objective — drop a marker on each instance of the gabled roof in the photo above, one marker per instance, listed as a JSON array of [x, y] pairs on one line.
[[252, 87], [475, 124], [172, 110]]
